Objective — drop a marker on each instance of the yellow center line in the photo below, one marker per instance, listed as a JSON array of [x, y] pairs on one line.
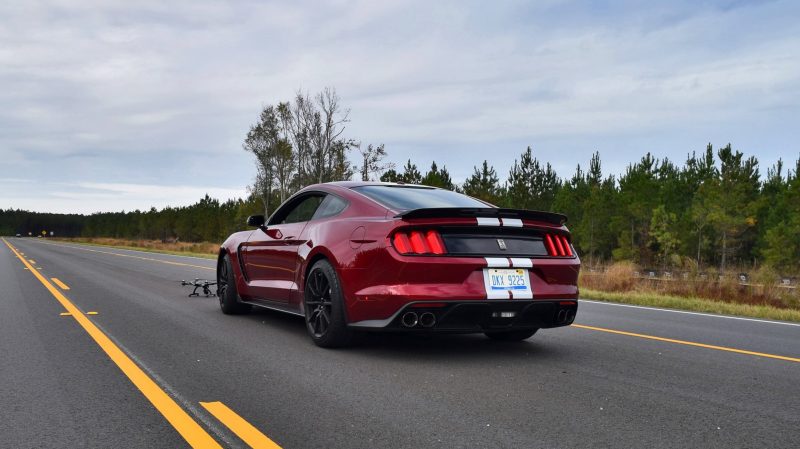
[[187, 427], [60, 284], [132, 256], [689, 343], [238, 425]]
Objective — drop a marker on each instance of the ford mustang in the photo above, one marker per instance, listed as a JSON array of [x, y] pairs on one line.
[[352, 257]]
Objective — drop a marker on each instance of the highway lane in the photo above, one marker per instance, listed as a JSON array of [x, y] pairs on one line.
[[572, 387]]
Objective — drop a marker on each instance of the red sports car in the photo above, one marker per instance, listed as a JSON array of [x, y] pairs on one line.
[[360, 256]]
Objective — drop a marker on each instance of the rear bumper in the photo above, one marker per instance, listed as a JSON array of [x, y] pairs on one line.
[[475, 316]]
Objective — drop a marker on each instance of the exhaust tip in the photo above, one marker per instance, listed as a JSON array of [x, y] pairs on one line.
[[427, 319], [562, 316], [409, 319]]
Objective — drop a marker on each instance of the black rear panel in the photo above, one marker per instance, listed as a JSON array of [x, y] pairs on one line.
[[493, 242]]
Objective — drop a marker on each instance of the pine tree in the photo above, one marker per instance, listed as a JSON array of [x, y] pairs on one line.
[[484, 184], [438, 178], [732, 203]]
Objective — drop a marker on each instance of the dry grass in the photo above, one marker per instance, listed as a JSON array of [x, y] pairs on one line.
[[693, 304], [763, 289], [202, 249]]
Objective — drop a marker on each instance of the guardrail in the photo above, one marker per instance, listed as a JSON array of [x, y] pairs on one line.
[[743, 279]]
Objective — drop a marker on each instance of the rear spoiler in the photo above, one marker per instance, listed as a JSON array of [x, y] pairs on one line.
[[490, 212]]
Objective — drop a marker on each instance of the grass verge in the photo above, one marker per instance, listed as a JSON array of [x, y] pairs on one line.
[[693, 304]]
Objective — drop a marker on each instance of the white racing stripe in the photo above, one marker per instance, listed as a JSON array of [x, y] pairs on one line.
[[497, 262], [486, 221], [512, 222], [521, 263], [711, 315]]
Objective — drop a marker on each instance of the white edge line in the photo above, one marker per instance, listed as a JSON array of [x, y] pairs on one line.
[[712, 315]]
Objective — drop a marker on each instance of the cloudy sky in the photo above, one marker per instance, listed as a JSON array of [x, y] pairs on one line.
[[109, 106]]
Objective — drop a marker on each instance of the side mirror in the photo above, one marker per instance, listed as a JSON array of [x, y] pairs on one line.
[[256, 221]]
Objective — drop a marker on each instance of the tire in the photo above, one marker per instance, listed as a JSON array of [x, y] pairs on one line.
[[518, 335], [226, 289], [323, 304]]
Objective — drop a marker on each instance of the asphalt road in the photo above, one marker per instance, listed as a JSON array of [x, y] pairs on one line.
[[139, 371]]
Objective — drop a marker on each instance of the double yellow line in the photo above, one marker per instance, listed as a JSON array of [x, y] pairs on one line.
[[187, 427]]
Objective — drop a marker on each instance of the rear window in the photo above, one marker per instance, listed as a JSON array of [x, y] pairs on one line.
[[332, 205], [402, 198]]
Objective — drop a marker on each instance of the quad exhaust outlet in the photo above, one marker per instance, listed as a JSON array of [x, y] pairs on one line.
[[427, 319], [409, 319], [565, 316]]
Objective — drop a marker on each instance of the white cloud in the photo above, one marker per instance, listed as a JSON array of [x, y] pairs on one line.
[[154, 92]]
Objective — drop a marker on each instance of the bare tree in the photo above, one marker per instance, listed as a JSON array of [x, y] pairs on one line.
[[372, 161], [259, 142], [302, 124], [300, 143], [284, 165], [338, 166]]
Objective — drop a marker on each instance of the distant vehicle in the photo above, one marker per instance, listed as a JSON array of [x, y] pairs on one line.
[[359, 256], [19, 235]]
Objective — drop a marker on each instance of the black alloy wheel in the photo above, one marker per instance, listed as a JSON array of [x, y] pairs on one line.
[[226, 289], [324, 307], [319, 304]]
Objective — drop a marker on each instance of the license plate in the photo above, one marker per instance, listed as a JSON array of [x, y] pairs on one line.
[[500, 281]]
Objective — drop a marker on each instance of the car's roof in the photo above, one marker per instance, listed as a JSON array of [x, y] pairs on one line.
[[351, 184]]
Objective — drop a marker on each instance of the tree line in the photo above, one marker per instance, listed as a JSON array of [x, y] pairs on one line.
[[208, 220], [713, 210]]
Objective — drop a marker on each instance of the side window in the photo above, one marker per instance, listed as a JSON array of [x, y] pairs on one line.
[[331, 205], [300, 211]]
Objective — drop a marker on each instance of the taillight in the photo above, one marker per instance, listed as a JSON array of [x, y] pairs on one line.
[[418, 242], [401, 243], [551, 248], [557, 245], [567, 248]]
